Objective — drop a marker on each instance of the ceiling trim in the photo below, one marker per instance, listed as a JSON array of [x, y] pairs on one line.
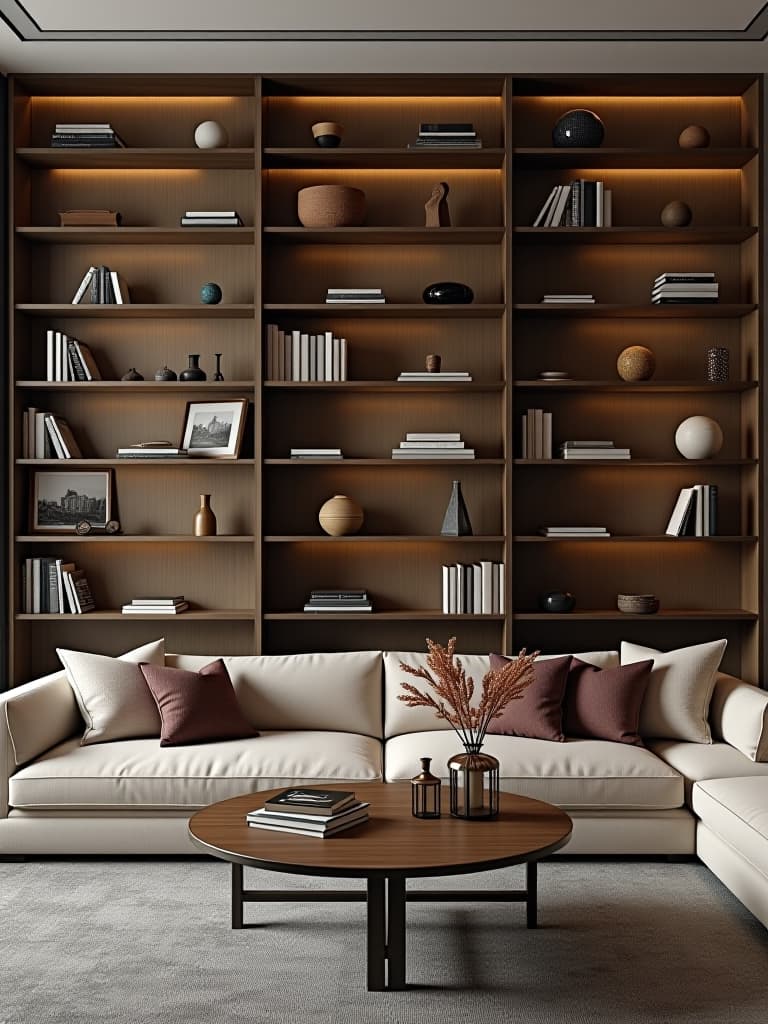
[[26, 28]]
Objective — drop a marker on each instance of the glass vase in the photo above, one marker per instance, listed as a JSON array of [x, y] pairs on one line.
[[474, 784]]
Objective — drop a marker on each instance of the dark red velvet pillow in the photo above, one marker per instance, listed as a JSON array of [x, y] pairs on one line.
[[196, 707], [539, 712], [604, 703]]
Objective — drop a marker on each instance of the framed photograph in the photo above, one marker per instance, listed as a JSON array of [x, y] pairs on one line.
[[214, 430], [61, 500]]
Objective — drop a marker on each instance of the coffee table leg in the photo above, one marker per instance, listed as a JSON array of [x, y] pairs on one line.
[[531, 889], [237, 895], [396, 932], [377, 924]]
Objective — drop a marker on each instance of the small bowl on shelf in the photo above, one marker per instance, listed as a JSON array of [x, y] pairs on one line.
[[637, 604], [331, 206], [327, 134]]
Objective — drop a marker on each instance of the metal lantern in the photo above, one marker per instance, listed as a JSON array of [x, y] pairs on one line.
[[474, 780], [425, 792]]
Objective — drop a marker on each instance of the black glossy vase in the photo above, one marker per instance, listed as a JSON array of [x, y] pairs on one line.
[[578, 128], [557, 601], [193, 371], [448, 293]]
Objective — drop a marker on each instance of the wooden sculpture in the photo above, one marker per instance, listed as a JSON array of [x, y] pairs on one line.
[[438, 215]]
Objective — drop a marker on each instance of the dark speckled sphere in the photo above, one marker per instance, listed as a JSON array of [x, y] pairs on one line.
[[210, 294], [578, 128]]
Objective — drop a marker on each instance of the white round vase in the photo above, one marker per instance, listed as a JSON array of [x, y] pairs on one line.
[[699, 437], [210, 135]]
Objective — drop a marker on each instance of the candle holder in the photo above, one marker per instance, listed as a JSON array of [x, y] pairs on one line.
[[218, 375], [474, 782], [425, 792]]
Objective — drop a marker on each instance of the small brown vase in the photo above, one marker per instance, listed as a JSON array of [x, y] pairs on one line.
[[205, 520]]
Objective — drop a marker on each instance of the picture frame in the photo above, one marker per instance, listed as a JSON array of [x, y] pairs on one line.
[[214, 429], [60, 499]]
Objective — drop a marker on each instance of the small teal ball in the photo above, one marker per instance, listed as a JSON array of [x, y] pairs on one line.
[[210, 293]]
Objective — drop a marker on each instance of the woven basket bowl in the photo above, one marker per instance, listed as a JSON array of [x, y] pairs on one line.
[[638, 604], [331, 206]]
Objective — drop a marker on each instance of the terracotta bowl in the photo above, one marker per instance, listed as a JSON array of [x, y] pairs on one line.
[[331, 206], [637, 604]]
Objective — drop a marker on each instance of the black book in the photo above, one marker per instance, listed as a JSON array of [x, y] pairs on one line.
[[77, 364], [310, 801], [713, 510], [446, 128], [575, 216], [688, 525], [589, 189]]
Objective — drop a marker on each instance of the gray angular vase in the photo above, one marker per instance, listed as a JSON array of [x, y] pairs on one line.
[[456, 522]]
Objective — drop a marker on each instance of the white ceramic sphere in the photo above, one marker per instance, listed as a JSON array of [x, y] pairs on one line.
[[210, 135], [699, 437]]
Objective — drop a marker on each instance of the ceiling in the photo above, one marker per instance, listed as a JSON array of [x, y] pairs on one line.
[[354, 35]]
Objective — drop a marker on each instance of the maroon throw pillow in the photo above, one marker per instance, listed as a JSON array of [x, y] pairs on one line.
[[196, 707], [604, 703], [538, 714]]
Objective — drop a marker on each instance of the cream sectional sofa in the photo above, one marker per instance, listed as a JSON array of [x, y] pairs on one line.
[[335, 718]]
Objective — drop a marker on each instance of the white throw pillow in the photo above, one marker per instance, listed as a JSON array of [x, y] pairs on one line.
[[676, 703], [112, 694]]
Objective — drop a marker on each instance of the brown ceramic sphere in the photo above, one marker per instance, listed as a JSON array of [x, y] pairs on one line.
[[636, 363], [676, 214], [695, 136], [331, 206], [340, 516]]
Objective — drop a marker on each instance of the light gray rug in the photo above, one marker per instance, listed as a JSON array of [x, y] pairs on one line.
[[131, 942]]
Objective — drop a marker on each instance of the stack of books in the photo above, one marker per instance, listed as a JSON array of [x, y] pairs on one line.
[[537, 434], [316, 453], [68, 359], [369, 296], [321, 813], [580, 204], [152, 450], [442, 376], [45, 436], [295, 356], [53, 586], [85, 136], [156, 606], [586, 450], [437, 135], [564, 532], [670, 288], [568, 298], [695, 512], [338, 601], [476, 589], [433, 446], [211, 219], [106, 287]]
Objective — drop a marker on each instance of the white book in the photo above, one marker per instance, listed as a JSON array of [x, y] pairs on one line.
[[599, 194], [452, 589], [69, 586], [116, 289], [296, 355], [705, 513], [495, 602], [547, 436], [54, 438], [287, 354], [320, 348], [343, 358], [530, 433], [35, 586], [433, 437], [328, 356], [312, 369], [83, 285], [607, 208], [541, 216], [57, 371], [461, 589], [455, 445], [303, 357], [40, 435], [699, 493], [559, 205], [446, 589], [336, 359], [354, 291], [486, 569], [500, 575], [525, 436], [49, 355], [538, 433], [477, 588], [211, 213]]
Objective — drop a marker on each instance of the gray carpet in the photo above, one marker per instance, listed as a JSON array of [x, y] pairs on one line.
[[149, 941]]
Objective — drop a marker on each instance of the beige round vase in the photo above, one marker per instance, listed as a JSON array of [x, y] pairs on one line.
[[205, 520], [340, 516]]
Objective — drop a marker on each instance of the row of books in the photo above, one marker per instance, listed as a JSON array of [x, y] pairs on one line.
[[316, 453], [575, 451], [211, 219], [338, 601], [476, 589], [580, 204], [320, 813], [441, 376], [85, 136], [47, 436], [296, 356], [447, 445], [106, 288], [436, 135], [695, 512], [367, 296], [156, 606], [67, 358], [537, 434], [675, 288], [53, 586], [566, 532]]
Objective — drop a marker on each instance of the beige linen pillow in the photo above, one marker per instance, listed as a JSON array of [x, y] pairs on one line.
[[112, 694], [676, 704]]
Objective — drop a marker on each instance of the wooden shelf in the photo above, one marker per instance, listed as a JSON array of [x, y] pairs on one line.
[[400, 310], [400, 463], [696, 614], [385, 157], [104, 463], [386, 236], [139, 236], [703, 311], [657, 538], [379, 539], [712, 158], [398, 616], [637, 387], [144, 387], [633, 236], [121, 538], [138, 158], [386, 386], [139, 311], [656, 463], [209, 615]]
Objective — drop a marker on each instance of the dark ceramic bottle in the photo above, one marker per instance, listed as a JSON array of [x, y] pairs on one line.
[[193, 371]]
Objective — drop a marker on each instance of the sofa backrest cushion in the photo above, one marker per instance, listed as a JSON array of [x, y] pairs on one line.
[[337, 692], [41, 714], [738, 714], [399, 718]]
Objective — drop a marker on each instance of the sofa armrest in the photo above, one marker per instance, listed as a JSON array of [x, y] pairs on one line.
[[738, 714]]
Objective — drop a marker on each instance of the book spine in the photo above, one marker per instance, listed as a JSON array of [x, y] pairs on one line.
[[343, 358], [494, 589], [502, 583], [599, 204], [453, 589], [328, 361], [486, 569], [713, 524], [446, 590], [304, 357], [607, 208], [296, 355]]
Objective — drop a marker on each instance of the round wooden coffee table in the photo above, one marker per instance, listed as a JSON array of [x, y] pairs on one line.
[[386, 850]]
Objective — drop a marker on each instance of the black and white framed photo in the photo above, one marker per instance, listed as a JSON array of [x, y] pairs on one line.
[[61, 500], [214, 430]]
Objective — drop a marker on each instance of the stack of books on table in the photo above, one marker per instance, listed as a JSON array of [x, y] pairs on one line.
[[369, 296], [106, 288], [675, 288], [476, 589], [156, 606], [85, 136], [581, 204], [441, 377], [537, 434], [437, 135], [330, 600], [568, 298], [316, 453], [433, 446], [152, 450], [54, 586], [211, 219], [310, 812], [295, 356], [575, 451], [45, 436], [69, 359], [695, 512], [564, 532]]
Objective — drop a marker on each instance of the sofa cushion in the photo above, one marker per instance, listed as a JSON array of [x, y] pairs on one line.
[[538, 712], [141, 773], [111, 693], [575, 774], [736, 810], [699, 761], [399, 718], [676, 702], [738, 714], [196, 707], [41, 714], [604, 703], [337, 692]]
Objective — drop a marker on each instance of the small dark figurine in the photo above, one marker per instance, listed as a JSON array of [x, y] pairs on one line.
[[438, 214], [218, 375], [165, 374], [133, 374]]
